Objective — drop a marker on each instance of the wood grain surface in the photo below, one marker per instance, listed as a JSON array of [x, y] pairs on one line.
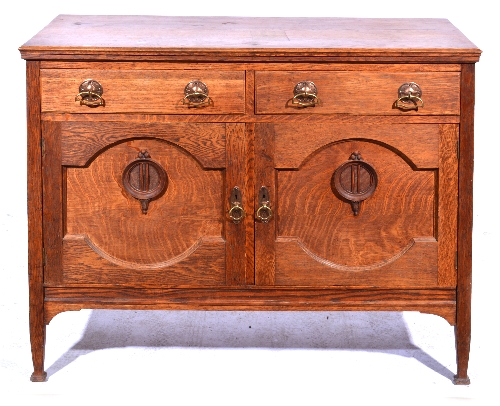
[[109, 37], [201, 264], [295, 144], [235, 234], [448, 205], [81, 141], [250, 207], [401, 208], [464, 230], [35, 222], [435, 301], [265, 233], [254, 66], [250, 118], [53, 214], [415, 265], [369, 93], [99, 207], [145, 91]]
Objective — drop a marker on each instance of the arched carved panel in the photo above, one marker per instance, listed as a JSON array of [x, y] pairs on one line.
[[99, 206], [402, 207]]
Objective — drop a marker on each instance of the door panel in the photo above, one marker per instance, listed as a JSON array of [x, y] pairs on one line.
[[318, 238], [122, 224]]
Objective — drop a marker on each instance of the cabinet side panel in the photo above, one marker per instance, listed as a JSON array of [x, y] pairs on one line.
[[448, 204], [35, 221]]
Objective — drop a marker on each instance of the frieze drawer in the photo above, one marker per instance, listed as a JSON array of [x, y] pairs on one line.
[[143, 91], [357, 92]]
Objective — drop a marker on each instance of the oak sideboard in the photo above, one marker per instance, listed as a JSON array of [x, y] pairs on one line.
[[230, 163]]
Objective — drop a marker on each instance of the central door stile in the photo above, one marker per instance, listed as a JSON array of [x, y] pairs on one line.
[[235, 231], [265, 232]]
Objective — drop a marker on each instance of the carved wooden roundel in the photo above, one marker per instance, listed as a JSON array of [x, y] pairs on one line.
[[355, 180], [144, 179]]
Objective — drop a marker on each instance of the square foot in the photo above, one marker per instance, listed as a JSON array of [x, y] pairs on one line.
[[461, 381], [38, 377]]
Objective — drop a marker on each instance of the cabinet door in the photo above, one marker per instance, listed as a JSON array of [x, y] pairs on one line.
[[141, 204], [357, 204]]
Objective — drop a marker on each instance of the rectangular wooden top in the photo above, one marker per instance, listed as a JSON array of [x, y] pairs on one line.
[[240, 38]]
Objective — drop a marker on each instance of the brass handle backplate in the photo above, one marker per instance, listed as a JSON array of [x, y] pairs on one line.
[[410, 97], [264, 212], [305, 94], [90, 94], [196, 94], [236, 212]]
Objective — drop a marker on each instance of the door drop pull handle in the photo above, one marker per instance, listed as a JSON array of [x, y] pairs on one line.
[[264, 212], [236, 212]]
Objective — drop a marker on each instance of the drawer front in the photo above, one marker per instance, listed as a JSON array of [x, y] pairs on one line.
[[362, 93], [143, 91]]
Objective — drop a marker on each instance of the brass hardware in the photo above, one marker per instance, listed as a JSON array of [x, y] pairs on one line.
[[409, 97], [144, 179], [264, 212], [355, 180], [196, 94], [90, 94], [236, 212], [305, 94]]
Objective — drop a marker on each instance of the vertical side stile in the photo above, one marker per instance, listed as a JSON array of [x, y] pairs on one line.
[[465, 174], [35, 222]]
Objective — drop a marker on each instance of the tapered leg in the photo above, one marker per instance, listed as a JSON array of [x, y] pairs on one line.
[[462, 340], [35, 231], [464, 248], [37, 335]]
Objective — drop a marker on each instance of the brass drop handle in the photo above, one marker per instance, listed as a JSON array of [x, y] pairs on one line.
[[236, 212], [305, 94], [90, 94], [410, 97], [264, 212], [196, 94]]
